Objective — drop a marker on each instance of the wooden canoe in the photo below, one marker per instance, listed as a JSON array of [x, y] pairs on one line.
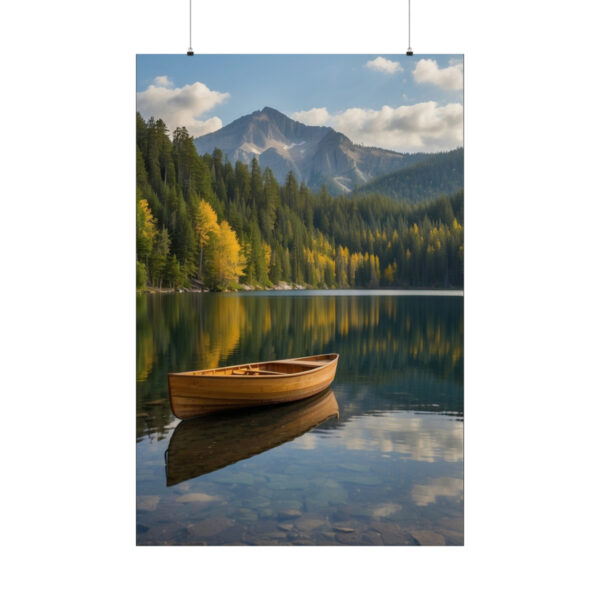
[[194, 393], [200, 446]]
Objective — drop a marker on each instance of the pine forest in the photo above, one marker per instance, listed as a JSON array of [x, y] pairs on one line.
[[202, 222]]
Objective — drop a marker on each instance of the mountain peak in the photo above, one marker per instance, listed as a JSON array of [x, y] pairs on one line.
[[273, 111], [315, 154], [270, 113]]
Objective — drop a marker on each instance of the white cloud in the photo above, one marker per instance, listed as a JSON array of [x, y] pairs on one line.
[[163, 81], [426, 127], [450, 78], [314, 116], [181, 107], [384, 65]]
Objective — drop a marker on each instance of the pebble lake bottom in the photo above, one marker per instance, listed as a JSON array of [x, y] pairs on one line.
[[375, 460]]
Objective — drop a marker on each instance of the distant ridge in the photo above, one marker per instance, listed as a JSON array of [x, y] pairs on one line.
[[433, 175]]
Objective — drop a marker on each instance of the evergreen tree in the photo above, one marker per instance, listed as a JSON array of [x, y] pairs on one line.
[[186, 203]]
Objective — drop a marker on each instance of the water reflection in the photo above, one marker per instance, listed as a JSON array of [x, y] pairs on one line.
[[419, 437], [212, 442], [442, 486], [387, 471], [379, 338]]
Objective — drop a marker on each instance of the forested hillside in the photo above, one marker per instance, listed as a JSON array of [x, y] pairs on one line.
[[201, 219], [439, 174]]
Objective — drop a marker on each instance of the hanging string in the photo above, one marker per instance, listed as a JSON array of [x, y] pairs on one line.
[[190, 52], [409, 52]]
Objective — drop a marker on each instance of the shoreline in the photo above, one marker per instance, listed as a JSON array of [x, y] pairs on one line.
[[284, 287]]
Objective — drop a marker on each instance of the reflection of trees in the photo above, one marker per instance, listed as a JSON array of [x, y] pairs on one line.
[[379, 338], [220, 333]]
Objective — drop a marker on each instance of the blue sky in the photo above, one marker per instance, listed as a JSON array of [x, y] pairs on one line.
[[422, 94]]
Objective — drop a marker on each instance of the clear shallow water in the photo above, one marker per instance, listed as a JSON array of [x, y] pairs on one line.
[[377, 460]]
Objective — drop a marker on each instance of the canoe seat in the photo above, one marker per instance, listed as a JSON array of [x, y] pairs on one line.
[[249, 371], [305, 363]]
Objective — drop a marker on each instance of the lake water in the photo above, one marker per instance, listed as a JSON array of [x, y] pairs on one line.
[[375, 460]]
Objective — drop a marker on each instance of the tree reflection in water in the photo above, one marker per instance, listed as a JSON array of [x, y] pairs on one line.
[[380, 339]]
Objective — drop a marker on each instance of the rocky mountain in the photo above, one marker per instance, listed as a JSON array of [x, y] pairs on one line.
[[314, 154]]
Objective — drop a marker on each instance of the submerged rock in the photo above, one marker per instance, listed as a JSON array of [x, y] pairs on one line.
[[349, 538], [373, 538], [344, 529], [232, 535], [197, 497], [264, 527], [386, 510], [310, 523], [245, 514], [290, 513], [428, 538], [209, 527], [302, 542], [453, 538], [277, 535], [166, 533], [453, 524], [392, 534]]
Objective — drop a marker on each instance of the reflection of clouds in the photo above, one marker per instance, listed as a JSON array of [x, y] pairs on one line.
[[442, 486], [387, 446], [147, 502], [386, 510], [426, 438], [306, 442]]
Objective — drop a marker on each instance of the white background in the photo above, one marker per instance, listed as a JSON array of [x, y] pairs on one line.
[[68, 313]]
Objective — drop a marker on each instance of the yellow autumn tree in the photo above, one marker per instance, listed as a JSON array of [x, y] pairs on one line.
[[390, 273], [225, 261], [146, 230], [267, 252], [342, 262], [206, 225]]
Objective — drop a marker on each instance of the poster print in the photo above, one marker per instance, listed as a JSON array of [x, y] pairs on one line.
[[290, 210]]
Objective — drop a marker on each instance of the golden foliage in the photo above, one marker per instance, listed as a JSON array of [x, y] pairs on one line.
[[267, 252], [226, 261], [206, 222]]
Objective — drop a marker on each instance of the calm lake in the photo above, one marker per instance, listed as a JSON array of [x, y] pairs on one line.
[[375, 460]]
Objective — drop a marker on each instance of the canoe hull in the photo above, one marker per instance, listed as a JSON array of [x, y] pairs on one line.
[[194, 395]]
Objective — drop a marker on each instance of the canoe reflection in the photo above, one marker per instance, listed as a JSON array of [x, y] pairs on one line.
[[214, 441]]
